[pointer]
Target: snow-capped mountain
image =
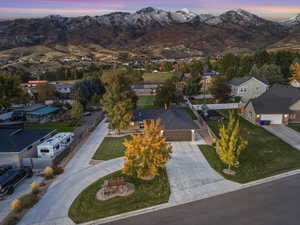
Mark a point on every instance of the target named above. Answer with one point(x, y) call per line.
point(146, 27)
point(294, 21)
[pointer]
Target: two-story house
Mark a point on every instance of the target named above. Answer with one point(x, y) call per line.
point(247, 87)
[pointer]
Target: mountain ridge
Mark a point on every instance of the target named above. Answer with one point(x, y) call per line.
point(148, 28)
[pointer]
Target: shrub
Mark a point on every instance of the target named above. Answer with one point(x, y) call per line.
point(35, 188)
point(16, 205)
point(58, 170)
point(27, 201)
point(49, 172)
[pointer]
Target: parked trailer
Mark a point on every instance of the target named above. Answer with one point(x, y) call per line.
point(55, 145)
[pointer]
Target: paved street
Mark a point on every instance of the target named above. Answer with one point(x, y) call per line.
point(273, 203)
point(285, 133)
point(190, 175)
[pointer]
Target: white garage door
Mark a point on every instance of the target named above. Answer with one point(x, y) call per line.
point(274, 118)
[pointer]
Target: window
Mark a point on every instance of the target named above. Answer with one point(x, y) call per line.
point(243, 90)
point(44, 150)
point(292, 116)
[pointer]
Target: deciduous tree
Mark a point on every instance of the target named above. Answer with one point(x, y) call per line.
point(167, 94)
point(145, 154)
point(10, 89)
point(220, 89)
point(295, 70)
point(45, 92)
point(77, 110)
point(230, 144)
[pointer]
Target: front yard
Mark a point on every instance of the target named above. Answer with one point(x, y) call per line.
point(296, 127)
point(110, 148)
point(147, 193)
point(159, 77)
point(146, 102)
point(265, 155)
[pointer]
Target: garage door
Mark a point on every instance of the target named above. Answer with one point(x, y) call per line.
point(178, 135)
point(274, 118)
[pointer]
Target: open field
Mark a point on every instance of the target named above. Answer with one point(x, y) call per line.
point(159, 77)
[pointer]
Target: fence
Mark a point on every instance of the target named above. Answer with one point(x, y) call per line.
point(218, 106)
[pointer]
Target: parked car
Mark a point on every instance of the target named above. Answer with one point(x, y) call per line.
point(10, 179)
point(212, 115)
point(4, 169)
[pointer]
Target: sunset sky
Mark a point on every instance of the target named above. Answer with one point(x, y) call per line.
point(35, 8)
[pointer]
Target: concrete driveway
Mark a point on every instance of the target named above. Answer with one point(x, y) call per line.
point(54, 206)
point(285, 133)
point(191, 176)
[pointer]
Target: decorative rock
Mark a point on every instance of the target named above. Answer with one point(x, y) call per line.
point(109, 192)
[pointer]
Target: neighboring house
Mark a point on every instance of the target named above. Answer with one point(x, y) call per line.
point(207, 78)
point(40, 113)
point(247, 87)
point(17, 144)
point(177, 124)
point(295, 83)
point(279, 105)
point(63, 88)
point(145, 89)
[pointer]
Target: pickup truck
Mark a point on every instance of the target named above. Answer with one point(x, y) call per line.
point(11, 178)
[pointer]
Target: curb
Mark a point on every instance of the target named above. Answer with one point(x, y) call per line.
point(170, 205)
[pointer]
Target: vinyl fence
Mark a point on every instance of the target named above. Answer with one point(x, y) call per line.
point(218, 106)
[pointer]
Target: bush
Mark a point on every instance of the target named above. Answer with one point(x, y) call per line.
point(11, 219)
point(35, 188)
point(58, 170)
point(27, 201)
point(49, 173)
point(16, 205)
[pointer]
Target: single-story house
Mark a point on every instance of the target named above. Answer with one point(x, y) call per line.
point(177, 124)
point(279, 105)
point(145, 89)
point(63, 88)
point(247, 87)
point(42, 114)
point(17, 143)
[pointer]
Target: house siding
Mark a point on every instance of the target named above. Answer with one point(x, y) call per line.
point(254, 88)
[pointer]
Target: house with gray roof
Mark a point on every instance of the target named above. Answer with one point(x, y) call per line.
point(247, 87)
point(279, 105)
point(177, 124)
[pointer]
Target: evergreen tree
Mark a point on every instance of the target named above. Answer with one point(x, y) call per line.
point(167, 94)
point(220, 89)
point(272, 73)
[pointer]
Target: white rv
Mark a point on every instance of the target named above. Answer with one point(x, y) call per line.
point(54, 145)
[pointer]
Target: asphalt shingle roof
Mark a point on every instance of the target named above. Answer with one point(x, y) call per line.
point(236, 81)
point(277, 100)
point(172, 119)
point(15, 140)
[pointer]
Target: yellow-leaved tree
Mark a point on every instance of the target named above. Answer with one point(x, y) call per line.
point(295, 69)
point(146, 153)
point(230, 144)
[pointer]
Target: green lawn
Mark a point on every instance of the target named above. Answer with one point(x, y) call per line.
point(146, 102)
point(296, 127)
point(160, 77)
point(189, 112)
point(265, 155)
point(59, 126)
point(110, 148)
point(147, 193)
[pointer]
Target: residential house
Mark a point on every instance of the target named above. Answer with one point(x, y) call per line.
point(63, 88)
point(279, 105)
point(17, 144)
point(40, 113)
point(207, 78)
point(177, 124)
point(145, 89)
point(247, 87)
